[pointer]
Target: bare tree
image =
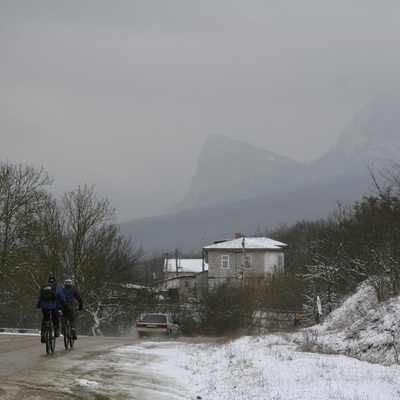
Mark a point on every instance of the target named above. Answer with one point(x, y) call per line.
point(23, 196)
point(98, 259)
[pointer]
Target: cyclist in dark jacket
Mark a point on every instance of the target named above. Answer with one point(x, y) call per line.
point(70, 311)
point(50, 307)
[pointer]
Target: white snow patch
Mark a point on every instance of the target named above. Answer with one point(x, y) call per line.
point(85, 383)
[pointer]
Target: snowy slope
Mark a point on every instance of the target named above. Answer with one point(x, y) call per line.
point(361, 328)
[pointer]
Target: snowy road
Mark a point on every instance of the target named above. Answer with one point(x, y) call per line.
point(18, 353)
point(258, 367)
point(27, 372)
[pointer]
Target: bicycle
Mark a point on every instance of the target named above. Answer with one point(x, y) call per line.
point(49, 337)
point(67, 333)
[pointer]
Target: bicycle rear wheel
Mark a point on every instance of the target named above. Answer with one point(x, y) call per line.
point(71, 340)
point(50, 340)
point(53, 342)
point(67, 334)
point(47, 337)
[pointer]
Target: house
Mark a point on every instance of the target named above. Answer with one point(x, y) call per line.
point(225, 261)
point(176, 266)
point(183, 277)
point(243, 257)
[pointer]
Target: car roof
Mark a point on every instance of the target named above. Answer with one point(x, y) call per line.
point(155, 317)
point(154, 314)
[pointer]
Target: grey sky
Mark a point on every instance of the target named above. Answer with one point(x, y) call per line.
point(123, 94)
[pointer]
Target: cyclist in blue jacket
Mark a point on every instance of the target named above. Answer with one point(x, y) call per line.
point(50, 298)
point(71, 295)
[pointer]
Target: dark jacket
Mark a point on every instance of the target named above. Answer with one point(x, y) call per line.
point(52, 304)
point(70, 295)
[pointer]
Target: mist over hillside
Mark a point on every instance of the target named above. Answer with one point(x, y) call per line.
point(372, 137)
point(238, 187)
point(230, 170)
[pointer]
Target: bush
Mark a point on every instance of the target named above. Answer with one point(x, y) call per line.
point(224, 309)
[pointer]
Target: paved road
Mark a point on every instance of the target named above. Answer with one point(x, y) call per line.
point(27, 372)
point(18, 353)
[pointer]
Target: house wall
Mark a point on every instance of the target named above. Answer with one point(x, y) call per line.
point(187, 287)
point(215, 270)
point(201, 279)
point(262, 262)
point(169, 275)
point(273, 261)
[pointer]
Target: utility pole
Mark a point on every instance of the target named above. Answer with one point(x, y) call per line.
point(243, 266)
point(176, 262)
point(166, 272)
point(202, 254)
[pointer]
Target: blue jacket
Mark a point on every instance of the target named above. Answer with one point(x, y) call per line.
point(70, 294)
point(52, 304)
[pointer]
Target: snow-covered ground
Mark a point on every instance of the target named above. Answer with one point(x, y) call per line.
point(265, 367)
point(275, 367)
point(278, 366)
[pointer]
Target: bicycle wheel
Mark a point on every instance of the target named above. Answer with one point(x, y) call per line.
point(71, 340)
point(67, 334)
point(50, 339)
point(47, 338)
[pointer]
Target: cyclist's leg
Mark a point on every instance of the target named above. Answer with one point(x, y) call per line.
point(55, 316)
point(46, 317)
point(64, 316)
point(72, 318)
point(67, 332)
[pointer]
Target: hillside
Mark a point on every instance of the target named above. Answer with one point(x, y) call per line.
point(230, 170)
point(361, 328)
point(191, 229)
point(372, 137)
point(239, 187)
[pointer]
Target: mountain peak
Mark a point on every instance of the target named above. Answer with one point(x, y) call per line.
point(219, 144)
point(241, 188)
point(372, 138)
point(230, 170)
point(374, 131)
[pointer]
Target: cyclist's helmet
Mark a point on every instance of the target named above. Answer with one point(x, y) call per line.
point(52, 280)
point(68, 282)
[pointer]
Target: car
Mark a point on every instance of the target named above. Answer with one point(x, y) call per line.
point(157, 324)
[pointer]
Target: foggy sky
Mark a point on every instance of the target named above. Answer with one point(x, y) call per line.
point(123, 94)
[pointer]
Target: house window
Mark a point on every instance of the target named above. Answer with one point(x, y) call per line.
point(225, 262)
point(247, 261)
point(186, 284)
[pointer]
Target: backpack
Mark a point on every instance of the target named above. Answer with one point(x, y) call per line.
point(48, 292)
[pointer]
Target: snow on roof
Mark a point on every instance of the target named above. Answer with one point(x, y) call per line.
point(185, 265)
point(249, 243)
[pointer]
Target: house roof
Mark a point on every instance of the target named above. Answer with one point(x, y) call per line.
point(248, 243)
point(193, 265)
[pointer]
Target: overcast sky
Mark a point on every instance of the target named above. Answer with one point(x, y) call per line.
point(123, 94)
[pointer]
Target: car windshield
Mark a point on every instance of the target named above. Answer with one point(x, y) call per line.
point(154, 318)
